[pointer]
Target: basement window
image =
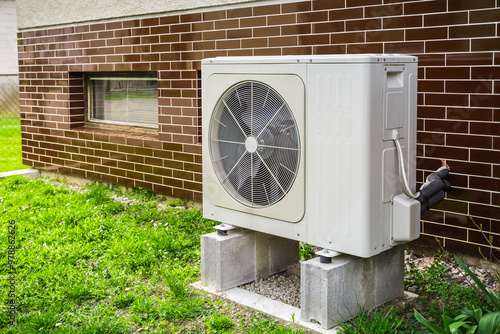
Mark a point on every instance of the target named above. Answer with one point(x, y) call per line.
point(123, 98)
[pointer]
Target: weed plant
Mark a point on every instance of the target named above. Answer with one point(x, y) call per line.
point(439, 294)
point(432, 280)
point(219, 323)
point(305, 252)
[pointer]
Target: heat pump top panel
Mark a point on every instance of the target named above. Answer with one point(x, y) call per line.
point(326, 59)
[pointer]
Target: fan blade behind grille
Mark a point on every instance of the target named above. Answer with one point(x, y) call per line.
point(261, 176)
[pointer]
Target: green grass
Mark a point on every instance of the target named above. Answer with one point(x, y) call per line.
point(10, 145)
point(259, 325)
point(88, 264)
point(378, 322)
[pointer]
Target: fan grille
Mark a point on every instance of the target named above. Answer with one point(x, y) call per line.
point(254, 144)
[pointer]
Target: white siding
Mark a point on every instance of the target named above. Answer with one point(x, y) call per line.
point(8, 37)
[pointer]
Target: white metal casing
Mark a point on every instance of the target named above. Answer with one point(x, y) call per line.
point(349, 171)
point(405, 209)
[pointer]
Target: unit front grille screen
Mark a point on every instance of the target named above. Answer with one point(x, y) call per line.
point(254, 144)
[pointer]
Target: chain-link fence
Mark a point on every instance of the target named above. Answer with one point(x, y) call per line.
point(9, 97)
point(10, 124)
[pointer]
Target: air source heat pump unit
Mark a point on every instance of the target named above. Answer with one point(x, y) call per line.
point(303, 147)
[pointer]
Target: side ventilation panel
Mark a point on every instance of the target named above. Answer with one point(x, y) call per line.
point(394, 100)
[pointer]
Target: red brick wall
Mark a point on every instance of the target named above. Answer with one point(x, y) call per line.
point(456, 41)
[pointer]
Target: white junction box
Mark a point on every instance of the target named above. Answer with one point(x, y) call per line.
point(302, 147)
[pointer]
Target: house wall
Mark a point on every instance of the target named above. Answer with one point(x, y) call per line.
point(8, 40)
point(456, 41)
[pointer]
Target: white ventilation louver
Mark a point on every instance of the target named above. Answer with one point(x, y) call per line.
point(301, 147)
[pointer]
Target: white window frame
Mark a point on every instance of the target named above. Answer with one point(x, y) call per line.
point(98, 76)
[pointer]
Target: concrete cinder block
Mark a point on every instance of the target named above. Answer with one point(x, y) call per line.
point(384, 276)
point(274, 254)
point(227, 261)
point(331, 292)
point(243, 256)
point(334, 292)
point(282, 253)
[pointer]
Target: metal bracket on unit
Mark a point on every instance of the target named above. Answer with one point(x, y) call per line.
point(223, 228)
point(326, 255)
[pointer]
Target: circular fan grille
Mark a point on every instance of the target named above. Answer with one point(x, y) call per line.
point(254, 144)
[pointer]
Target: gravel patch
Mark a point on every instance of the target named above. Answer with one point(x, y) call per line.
point(282, 287)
